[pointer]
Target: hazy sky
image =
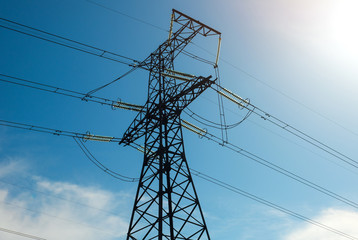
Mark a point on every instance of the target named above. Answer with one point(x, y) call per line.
point(296, 60)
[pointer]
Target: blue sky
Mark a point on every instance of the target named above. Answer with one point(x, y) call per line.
point(297, 60)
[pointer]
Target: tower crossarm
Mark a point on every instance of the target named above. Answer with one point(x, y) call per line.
point(137, 128)
point(170, 48)
point(181, 96)
point(195, 25)
point(186, 92)
point(178, 40)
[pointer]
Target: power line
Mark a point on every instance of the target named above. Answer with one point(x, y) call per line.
point(273, 167)
point(266, 202)
point(289, 97)
point(270, 204)
point(209, 123)
point(237, 68)
point(279, 91)
point(69, 93)
point(279, 169)
point(328, 228)
point(110, 56)
point(277, 119)
point(196, 57)
point(21, 234)
point(191, 114)
point(296, 132)
point(66, 42)
point(224, 134)
point(208, 136)
point(76, 45)
point(113, 81)
point(82, 96)
point(101, 166)
point(56, 90)
point(126, 15)
point(78, 137)
point(83, 47)
point(58, 132)
point(264, 115)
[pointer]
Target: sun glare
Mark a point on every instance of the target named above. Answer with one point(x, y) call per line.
point(340, 32)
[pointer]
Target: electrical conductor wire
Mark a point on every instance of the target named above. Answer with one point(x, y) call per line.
point(101, 166)
point(208, 136)
point(85, 47)
point(231, 188)
point(354, 238)
point(21, 234)
point(298, 133)
point(270, 204)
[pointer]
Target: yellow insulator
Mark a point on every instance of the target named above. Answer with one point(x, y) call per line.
point(235, 95)
point(140, 149)
point(218, 52)
point(127, 106)
point(180, 73)
point(176, 77)
point(231, 99)
point(97, 138)
point(171, 27)
point(201, 132)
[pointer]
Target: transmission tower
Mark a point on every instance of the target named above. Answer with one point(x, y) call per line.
point(166, 203)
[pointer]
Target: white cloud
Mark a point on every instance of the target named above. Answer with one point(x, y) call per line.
point(61, 211)
point(342, 220)
point(12, 166)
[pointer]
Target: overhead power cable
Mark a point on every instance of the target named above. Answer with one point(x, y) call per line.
point(65, 92)
point(112, 56)
point(234, 66)
point(288, 96)
point(57, 132)
point(101, 166)
point(79, 138)
point(270, 204)
point(195, 57)
point(113, 81)
point(208, 136)
point(331, 229)
point(272, 166)
point(66, 42)
point(224, 133)
point(278, 169)
point(289, 128)
point(280, 92)
point(205, 134)
point(101, 53)
point(237, 190)
point(83, 47)
point(21, 234)
point(127, 15)
point(205, 122)
point(209, 123)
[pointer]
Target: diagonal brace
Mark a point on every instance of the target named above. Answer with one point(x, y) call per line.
point(185, 93)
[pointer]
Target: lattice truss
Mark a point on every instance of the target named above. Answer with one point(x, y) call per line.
point(166, 204)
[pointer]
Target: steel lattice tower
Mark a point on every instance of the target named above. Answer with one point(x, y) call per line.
point(166, 204)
